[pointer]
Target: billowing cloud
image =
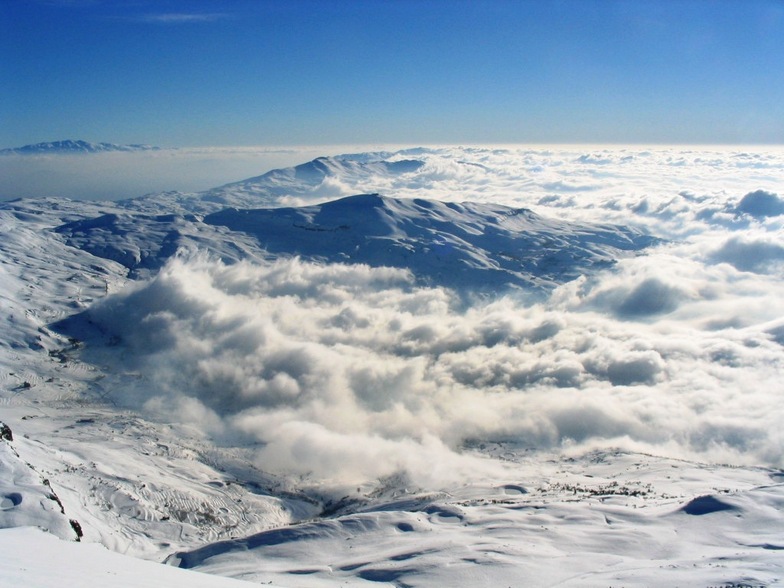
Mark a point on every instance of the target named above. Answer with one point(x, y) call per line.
point(761, 204)
point(650, 297)
point(346, 372)
point(750, 254)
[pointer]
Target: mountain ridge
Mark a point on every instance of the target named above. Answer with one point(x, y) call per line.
point(474, 246)
point(74, 146)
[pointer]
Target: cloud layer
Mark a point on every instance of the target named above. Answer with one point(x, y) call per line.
point(348, 373)
point(601, 182)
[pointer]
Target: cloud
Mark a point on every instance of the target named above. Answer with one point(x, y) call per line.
point(183, 17)
point(345, 373)
point(636, 368)
point(639, 187)
point(759, 255)
point(561, 186)
point(641, 290)
point(649, 297)
point(761, 204)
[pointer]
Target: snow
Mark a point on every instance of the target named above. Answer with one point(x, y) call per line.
point(557, 533)
point(224, 383)
point(468, 245)
point(35, 559)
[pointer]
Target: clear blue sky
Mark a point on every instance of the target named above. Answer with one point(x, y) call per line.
point(204, 72)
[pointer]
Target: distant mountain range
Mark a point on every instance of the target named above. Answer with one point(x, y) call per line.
point(73, 146)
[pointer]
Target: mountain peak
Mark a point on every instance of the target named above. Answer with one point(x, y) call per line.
point(469, 244)
point(316, 178)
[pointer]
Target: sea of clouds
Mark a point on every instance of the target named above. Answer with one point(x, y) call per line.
point(349, 373)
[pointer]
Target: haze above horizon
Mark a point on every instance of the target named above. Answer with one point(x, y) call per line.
point(312, 72)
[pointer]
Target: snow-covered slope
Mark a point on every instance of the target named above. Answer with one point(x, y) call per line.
point(314, 177)
point(632, 521)
point(305, 400)
point(469, 245)
point(319, 180)
point(34, 559)
point(143, 243)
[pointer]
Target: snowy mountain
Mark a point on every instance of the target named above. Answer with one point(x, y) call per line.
point(471, 245)
point(72, 146)
point(319, 180)
point(299, 379)
point(458, 245)
point(305, 178)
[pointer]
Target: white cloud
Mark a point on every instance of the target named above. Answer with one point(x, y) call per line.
point(761, 254)
point(761, 204)
point(183, 17)
point(348, 372)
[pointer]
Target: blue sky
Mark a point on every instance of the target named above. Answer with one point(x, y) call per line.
point(308, 72)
